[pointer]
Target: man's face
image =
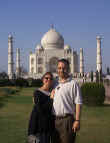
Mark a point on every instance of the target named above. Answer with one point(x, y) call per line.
point(62, 70)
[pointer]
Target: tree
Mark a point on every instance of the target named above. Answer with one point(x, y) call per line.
point(100, 75)
point(4, 79)
point(23, 71)
point(108, 71)
point(97, 76)
point(91, 76)
point(3, 75)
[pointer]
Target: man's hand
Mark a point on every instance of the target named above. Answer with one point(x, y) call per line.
point(76, 126)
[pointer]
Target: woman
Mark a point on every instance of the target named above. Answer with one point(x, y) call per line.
point(40, 123)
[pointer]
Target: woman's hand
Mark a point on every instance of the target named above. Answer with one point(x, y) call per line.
point(33, 100)
point(52, 94)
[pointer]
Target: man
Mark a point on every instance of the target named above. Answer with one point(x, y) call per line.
point(66, 106)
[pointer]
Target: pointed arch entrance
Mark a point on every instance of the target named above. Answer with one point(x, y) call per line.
point(53, 64)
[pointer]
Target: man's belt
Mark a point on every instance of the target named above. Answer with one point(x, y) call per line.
point(63, 116)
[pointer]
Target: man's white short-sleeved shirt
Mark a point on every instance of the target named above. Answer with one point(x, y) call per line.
point(66, 95)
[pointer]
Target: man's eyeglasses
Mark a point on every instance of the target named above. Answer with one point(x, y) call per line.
point(48, 78)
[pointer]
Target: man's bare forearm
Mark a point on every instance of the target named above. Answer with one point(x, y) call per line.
point(78, 111)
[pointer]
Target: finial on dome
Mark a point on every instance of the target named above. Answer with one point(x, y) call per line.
point(52, 26)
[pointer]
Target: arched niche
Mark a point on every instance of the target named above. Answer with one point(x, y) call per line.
point(53, 64)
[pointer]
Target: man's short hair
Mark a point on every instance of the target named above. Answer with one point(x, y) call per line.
point(65, 61)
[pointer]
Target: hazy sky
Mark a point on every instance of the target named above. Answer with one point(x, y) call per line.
point(79, 21)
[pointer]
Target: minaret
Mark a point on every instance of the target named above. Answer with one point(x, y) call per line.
point(10, 57)
point(99, 57)
point(18, 62)
point(81, 62)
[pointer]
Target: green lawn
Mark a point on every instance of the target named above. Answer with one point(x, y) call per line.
point(14, 115)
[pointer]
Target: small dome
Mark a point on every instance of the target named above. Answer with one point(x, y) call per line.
point(98, 37)
point(52, 39)
point(67, 47)
point(38, 47)
point(10, 36)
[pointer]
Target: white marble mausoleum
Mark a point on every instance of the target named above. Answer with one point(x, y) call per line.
point(48, 52)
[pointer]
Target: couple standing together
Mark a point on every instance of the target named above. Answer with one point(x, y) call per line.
point(56, 118)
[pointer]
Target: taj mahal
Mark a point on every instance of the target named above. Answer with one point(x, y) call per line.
point(47, 53)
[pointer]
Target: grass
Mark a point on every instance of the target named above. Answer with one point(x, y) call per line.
point(95, 125)
point(14, 116)
point(15, 111)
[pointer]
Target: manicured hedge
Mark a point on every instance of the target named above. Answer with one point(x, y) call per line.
point(93, 93)
point(34, 82)
point(5, 82)
point(21, 82)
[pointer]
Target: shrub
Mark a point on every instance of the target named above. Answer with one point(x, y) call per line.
point(21, 82)
point(37, 83)
point(8, 91)
point(34, 82)
point(92, 77)
point(107, 81)
point(93, 93)
point(4, 82)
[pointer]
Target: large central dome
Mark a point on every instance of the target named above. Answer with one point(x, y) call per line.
point(52, 39)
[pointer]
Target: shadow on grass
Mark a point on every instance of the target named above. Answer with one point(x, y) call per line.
point(106, 105)
point(5, 94)
point(1, 104)
point(98, 106)
point(4, 100)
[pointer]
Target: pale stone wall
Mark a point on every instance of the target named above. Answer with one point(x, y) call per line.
point(47, 56)
point(49, 52)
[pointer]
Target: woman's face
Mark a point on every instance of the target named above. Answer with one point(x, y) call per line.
point(47, 80)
